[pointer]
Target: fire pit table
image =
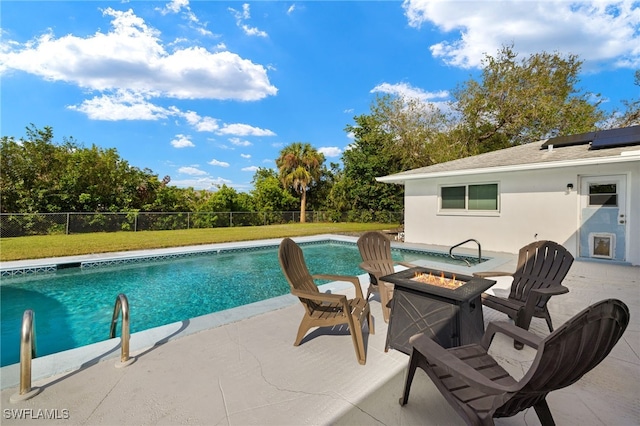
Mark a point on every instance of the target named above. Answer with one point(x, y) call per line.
point(445, 306)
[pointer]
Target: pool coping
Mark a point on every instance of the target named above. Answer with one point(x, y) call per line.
point(82, 357)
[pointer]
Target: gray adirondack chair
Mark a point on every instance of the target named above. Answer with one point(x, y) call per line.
point(479, 389)
point(542, 265)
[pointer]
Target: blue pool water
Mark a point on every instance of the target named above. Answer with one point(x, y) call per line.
point(73, 307)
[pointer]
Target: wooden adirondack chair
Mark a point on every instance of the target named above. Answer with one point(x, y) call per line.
point(479, 389)
point(324, 310)
point(542, 265)
point(375, 250)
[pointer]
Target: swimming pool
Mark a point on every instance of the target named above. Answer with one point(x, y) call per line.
point(73, 306)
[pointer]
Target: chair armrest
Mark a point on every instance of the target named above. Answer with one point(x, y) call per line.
point(550, 291)
point(512, 331)
point(457, 368)
point(534, 294)
point(320, 297)
point(486, 274)
point(346, 278)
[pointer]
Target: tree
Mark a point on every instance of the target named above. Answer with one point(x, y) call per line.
point(523, 101)
point(39, 175)
point(268, 193)
point(299, 166)
point(370, 155)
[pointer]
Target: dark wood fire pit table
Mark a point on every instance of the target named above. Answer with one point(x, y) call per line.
point(450, 311)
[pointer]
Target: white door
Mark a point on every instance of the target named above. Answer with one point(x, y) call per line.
point(603, 217)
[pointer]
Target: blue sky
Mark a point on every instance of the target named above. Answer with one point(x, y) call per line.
point(206, 92)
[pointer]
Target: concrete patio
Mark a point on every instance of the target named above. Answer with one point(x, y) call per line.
point(247, 372)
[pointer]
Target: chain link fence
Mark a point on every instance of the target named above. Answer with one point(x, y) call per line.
point(22, 224)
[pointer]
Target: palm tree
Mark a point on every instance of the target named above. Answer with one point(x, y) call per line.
point(299, 165)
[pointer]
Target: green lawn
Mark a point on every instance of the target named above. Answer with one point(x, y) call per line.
point(68, 245)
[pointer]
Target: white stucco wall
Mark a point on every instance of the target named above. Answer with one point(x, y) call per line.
point(534, 205)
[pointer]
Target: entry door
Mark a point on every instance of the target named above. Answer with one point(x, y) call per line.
point(603, 217)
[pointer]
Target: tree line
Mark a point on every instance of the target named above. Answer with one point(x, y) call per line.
point(514, 101)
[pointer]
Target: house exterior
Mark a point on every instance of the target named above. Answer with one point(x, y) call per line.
point(582, 191)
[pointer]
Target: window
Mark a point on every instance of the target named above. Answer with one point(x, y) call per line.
point(481, 197)
point(603, 195)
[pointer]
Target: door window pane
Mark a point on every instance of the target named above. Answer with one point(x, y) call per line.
point(453, 197)
point(483, 197)
point(603, 195)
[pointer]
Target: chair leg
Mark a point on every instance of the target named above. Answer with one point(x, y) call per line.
point(358, 342)
point(369, 291)
point(544, 414)
point(523, 320)
point(411, 372)
point(305, 325)
point(370, 323)
point(547, 317)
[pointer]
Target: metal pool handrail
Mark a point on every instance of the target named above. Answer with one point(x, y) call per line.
point(27, 353)
point(122, 305)
point(464, 242)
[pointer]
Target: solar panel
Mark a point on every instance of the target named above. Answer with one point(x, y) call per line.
point(616, 137)
point(569, 140)
point(601, 139)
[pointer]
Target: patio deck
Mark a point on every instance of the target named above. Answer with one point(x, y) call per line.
point(248, 372)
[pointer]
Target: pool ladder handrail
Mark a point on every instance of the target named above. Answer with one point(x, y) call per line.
point(122, 306)
point(464, 242)
point(27, 353)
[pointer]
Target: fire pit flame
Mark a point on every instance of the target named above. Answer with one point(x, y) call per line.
point(440, 281)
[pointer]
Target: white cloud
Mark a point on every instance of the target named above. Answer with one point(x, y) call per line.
point(244, 15)
point(193, 171)
point(200, 183)
point(182, 141)
point(131, 57)
point(250, 169)
point(215, 162)
point(174, 6)
point(239, 142)
point(408, 91)
point(240, 129)
point(247, 156)
point(121, 105)
point(330, 151)
point(202, 124)
point(597, 31)
point(291, 9)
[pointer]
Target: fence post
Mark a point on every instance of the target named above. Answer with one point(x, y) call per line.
point(135, 223)
point(188, 220)
point(230, 219)
point(67, 230)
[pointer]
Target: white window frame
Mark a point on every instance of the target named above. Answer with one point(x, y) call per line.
point(466, 211)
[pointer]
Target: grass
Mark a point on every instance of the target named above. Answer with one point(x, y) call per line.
point(41, 246)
